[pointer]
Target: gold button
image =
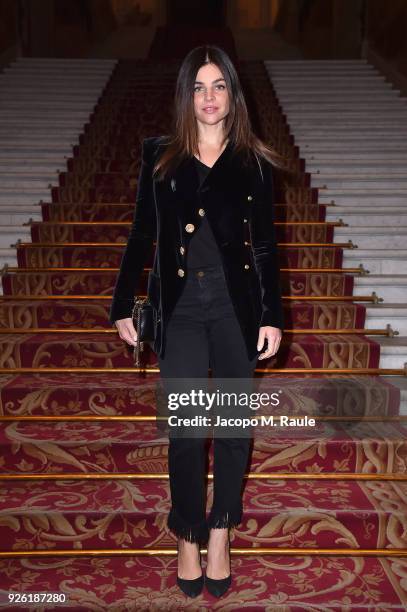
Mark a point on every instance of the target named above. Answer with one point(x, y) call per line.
point(190, 227)
point(250, 198)
point(200, 273)
point(181, 272)
point(201, 212)
point(181, 250)
point(245, 220)
point(246, 266)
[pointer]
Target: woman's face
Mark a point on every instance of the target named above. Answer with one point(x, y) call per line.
point(211, 98)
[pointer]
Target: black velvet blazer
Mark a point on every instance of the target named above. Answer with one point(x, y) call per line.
point(238, 202)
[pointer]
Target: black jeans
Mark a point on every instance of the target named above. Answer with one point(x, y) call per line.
point(203, 332)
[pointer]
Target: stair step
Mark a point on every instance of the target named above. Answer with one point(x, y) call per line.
point(370, 237)
point(13, 217)
point(37, 79)
point(333, 88)
point(10, 195)
point(306, 64)
point(345, 114)
point(35, 167)
point(35, 152)
point(328, 123)
point(345, 505)
point(28, 93)
point(393, 351)
point(337, 94)
point(22, 182)
point(378, 261)
point(391, 287)
point(10, 233)
point(354, 182)
point(44, 123)
point(53, 112)
point(339, 168)
point(141, 447)
point(401, 383)
point(62, 62)
point(356, 156)
point(325, 106)
point(374, 216)
point(379, 315)
point(9, 256)
point(350, 135)
point(140, 397)
point(280, 80)
point(395, 148)
point(308, 69)
point(161, 572)
point(359, 197)
point(69, 348)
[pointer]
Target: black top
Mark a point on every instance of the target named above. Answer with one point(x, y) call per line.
point(203, 250)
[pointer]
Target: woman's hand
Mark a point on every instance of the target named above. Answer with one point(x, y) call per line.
point(127, 331)
point(273, 335)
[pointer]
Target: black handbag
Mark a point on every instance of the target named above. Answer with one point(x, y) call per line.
point(144, 318)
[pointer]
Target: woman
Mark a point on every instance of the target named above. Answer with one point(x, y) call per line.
point(200, 192)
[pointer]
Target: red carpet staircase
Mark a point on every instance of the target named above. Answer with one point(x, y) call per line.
point(84, 489)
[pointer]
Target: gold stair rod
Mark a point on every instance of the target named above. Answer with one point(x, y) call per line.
point(165, 476)
point(81, 330)
point(139, 418)
point(131, 204)
point(299, 298)
point(153, 370)
point(335, 245)
point(7, 269)
point(129, 223)
point(255, 550)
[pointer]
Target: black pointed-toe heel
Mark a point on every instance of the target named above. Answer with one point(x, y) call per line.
point(193, 587)
point(217, 588)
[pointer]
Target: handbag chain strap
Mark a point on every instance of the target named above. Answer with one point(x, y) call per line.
point(139, 345)
point(137, 307)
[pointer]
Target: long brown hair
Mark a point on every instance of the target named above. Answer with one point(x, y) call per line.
point(183, 140)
